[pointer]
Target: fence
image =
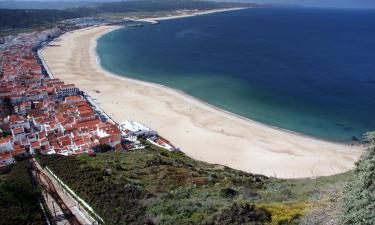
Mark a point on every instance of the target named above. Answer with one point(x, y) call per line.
point(76, 197)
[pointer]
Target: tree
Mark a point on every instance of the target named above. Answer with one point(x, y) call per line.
point(19, 200)
point(357, 206)
point(103, 148)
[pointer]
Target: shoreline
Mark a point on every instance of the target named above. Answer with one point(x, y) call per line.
point(284, 157)
point(180, 92)
point(118, 76)
point(204, 12)
point(198, 13)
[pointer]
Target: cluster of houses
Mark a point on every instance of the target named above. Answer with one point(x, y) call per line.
point(45, 115)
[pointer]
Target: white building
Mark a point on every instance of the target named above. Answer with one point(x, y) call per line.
point(67, 90)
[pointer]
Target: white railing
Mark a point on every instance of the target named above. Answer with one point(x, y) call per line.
point(74, 195)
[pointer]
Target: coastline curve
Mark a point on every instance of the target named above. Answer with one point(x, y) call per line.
point(203, 132)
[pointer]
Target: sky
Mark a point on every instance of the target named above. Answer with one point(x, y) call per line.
point(309, 3)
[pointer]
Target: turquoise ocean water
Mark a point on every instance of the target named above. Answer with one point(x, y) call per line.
point(307, 70)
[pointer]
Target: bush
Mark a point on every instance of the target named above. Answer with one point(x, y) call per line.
point(19, 200)
point(357, 206)
point(115, 202)
point(244, 213)
point(228, 192)
point(285, 213)
point(103, 148)
point(155, 186)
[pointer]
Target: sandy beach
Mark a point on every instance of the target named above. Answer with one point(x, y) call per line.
point(201, 131)
point(189, 14)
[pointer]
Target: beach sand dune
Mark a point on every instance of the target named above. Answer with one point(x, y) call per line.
point(201, 131)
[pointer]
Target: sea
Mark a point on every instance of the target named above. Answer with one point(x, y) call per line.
point(307, 70)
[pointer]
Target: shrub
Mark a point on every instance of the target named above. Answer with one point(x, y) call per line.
point(285, 213)
point(244, 213)
point(19, 200)
point(357, 205)
point(115, 202)
point(103, 148)
point(228, 192)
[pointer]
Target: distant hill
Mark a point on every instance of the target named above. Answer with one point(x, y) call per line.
point(131, 5)
point(162, 5)
point(43, 4)
point(14, 20)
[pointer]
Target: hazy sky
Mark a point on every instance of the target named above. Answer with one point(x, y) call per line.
point(314, 3)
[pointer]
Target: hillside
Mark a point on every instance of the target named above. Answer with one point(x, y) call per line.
point(24, 20)
point(357, 203)
point(20, 20)
point(11, 4)
point(19, 200)
point(154, 186)
point(163, 5)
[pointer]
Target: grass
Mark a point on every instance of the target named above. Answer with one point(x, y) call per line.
point(299, 189)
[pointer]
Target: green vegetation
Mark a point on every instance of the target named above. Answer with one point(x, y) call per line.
point(40, 4)
point(357, 205)
point(152, 185)
point(279, 190)
point(303, 201)
point(20, 20)
point(159, 187)
point(4, 133)
point(286, 213)
point(103, 148)
point(25, 20)
point(19, 200)
point(164, 5)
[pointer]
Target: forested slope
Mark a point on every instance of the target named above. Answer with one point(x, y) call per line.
point(19, 200)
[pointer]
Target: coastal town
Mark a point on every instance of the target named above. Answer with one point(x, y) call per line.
point(41, 114)
point(273, 127)
point(56, 117)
